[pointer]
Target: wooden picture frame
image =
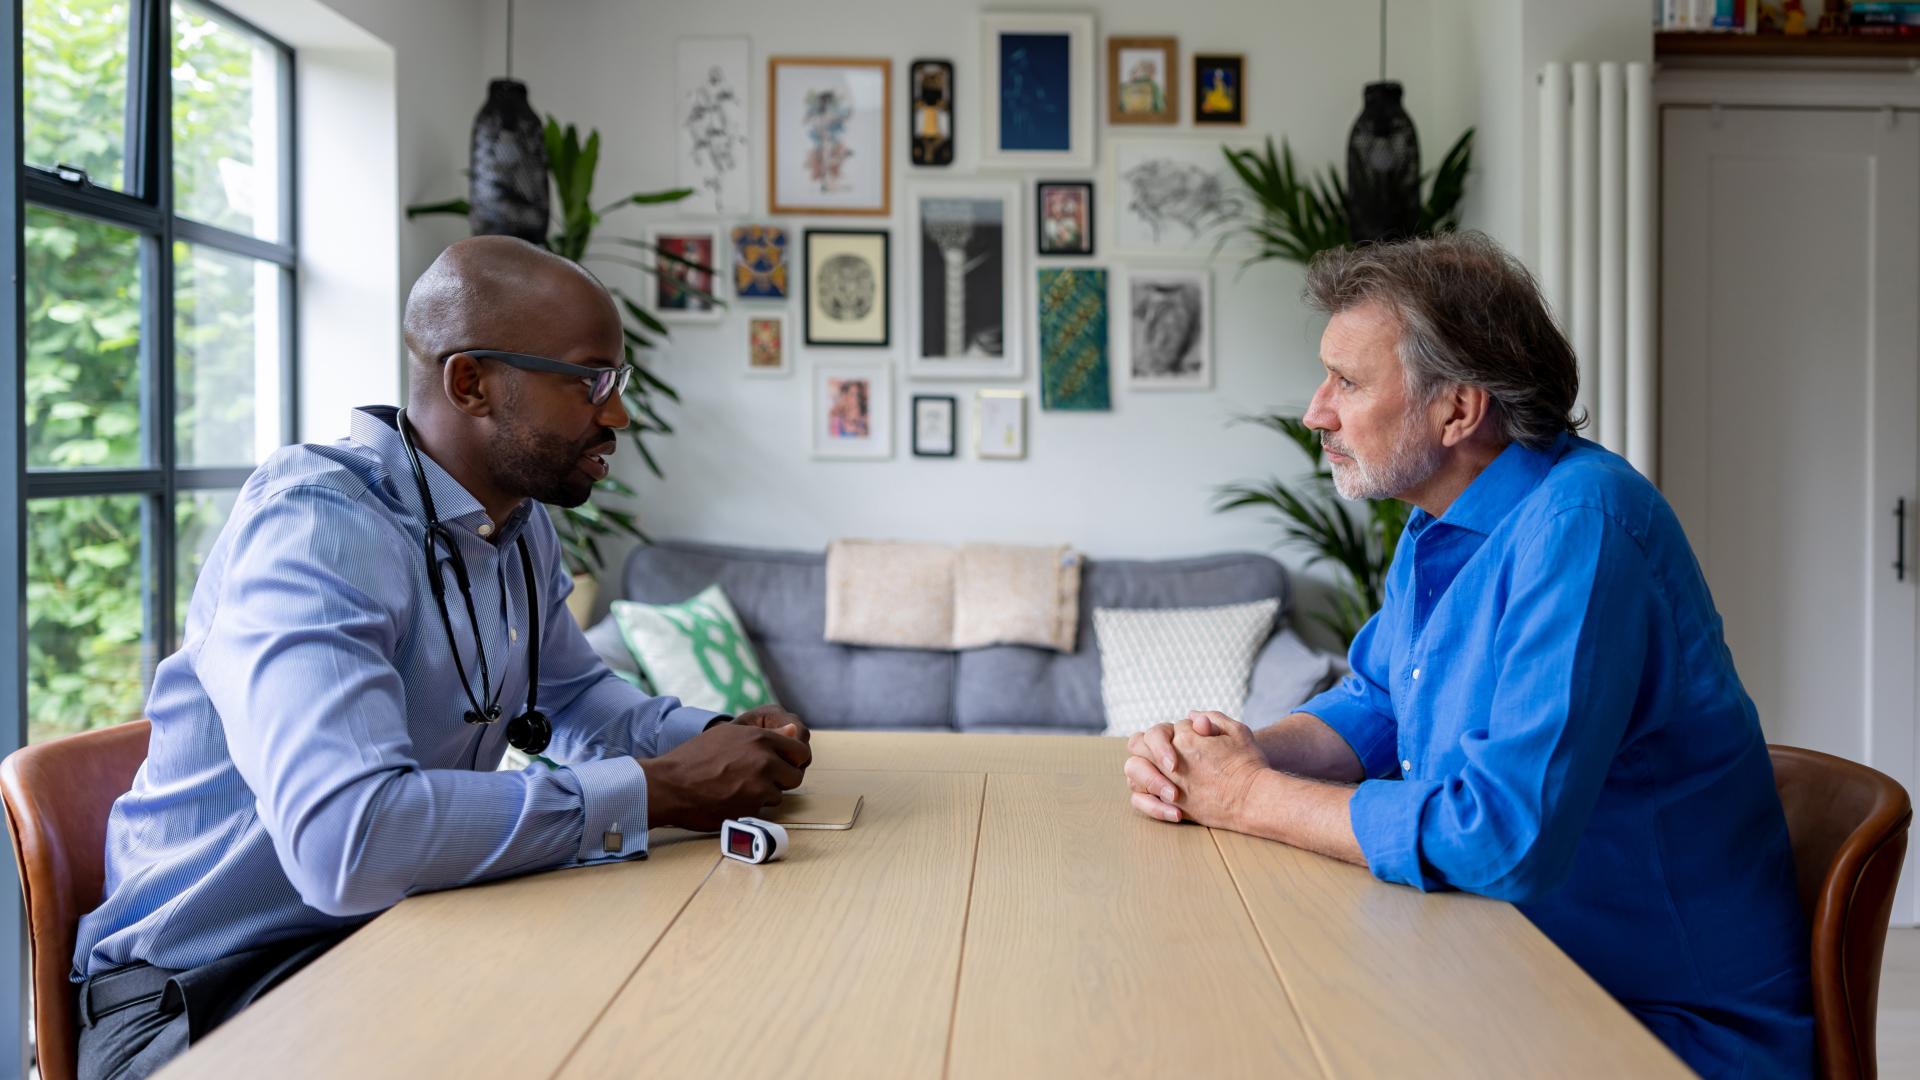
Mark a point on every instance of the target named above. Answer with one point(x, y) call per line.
point(838, 165)
point(1133, 95)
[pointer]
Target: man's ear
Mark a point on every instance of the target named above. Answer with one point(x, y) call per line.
point(1467, 411)
point(468, 384)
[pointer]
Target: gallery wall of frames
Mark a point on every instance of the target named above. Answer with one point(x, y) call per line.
point(968, 274)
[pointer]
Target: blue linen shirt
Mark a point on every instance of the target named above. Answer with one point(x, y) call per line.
point(1547, 713)
point(309, 763)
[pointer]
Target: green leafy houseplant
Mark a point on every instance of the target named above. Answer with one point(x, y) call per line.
point(1294, 219)
point(571, 164)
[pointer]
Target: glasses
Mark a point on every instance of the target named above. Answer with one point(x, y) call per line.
point(602, 382)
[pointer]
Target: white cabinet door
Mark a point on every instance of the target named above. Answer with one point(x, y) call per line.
point(1790, 397)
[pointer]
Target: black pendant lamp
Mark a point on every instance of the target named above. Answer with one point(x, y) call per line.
point(508, 191)
point(1383, 162)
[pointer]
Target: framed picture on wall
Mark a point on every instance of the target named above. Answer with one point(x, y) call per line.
point(830, 134)
point(1219, 88)
point(710, 124)
point(1175, 197)
point(852, 410)
point(1071, 324)
point(1000, 424)
point(930, 104)
point(760, 262)
point(767, 344)
point(1036, 82)
point(686, 262)
point(963, 296)
point(1143, 80)
point(1168, 343)
point(1063, 217)
point(848, 285)
point(934, 429)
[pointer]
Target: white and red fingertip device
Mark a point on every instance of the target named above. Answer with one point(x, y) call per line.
point(752, 840)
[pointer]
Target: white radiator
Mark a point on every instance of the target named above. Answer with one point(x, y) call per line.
point(1597, 243)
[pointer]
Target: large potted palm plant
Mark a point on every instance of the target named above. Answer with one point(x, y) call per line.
point(570, 167)
point(1295, 218)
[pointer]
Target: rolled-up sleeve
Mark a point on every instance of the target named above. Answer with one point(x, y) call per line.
point(1570, 651)
point(1359, 708)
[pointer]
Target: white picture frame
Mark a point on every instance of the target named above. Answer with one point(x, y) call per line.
point(841, 167)
point(753, 352)
point(945, 234)
point(833, 414)
point(1039, 143)
point(712, 125)
point(1000, 424)
point(1175, 197)
point(1167, 340)
point(660, 297)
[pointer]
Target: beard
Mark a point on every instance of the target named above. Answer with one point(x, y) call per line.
point(1408, 463)
point(542, 465)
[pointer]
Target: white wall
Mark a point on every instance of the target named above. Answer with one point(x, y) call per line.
point(1136, 481)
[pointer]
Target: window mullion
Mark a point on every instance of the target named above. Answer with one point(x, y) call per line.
point(159, 87)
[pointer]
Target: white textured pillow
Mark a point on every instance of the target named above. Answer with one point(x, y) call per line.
point(1158, 664)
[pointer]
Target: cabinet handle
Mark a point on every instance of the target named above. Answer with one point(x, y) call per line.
point(1900, 540)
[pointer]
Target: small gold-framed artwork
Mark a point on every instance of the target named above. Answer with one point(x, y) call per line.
point(829, 135)
point(1143, 82)
point(1000, 424)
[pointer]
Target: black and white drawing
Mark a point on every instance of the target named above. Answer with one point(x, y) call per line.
point(847, 287)
point(962, 251)
point(1174, 198)
point(1169, 340)
point(710, 122)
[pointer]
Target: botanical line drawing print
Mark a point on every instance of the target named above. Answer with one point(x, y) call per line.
point(715, 125)
point(1169, 195)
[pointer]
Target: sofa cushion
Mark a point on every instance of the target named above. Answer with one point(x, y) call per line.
point(697, 651)
point(1158, 664)
point(781, 599)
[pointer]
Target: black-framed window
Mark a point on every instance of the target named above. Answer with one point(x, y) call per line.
point(159, 258)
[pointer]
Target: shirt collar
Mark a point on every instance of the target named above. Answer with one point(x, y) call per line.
point(1500, 486)
point(376, 428)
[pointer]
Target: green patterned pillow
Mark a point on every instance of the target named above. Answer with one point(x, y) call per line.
point(695, 651)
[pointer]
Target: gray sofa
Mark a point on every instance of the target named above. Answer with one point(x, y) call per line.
point(781, 600)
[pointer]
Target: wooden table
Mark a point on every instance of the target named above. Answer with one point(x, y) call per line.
point(998, 911)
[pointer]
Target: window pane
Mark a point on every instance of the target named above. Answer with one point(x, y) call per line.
point(83, 343)
point(88, 655)
point(227, 352)
point(74, 85)
point(226, 124)
point(199, 516)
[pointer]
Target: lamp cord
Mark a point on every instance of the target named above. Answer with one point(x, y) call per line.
point(510, 39)
point(1383, 37)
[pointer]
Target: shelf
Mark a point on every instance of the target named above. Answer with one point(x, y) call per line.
point(1668, 43)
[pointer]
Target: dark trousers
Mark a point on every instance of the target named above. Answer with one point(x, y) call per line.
point(137, 1018)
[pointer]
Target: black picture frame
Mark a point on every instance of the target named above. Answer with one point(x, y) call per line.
point(813, 335)
point(1237, 63)
point(930, 152)
point(953, 425)
point(1040, 220)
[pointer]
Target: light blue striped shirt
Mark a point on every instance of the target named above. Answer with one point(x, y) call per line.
point(310, 766)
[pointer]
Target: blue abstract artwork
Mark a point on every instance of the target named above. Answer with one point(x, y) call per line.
point(1035, 92)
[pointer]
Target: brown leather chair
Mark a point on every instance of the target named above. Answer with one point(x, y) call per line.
point(1849, 825)
point(58, 794)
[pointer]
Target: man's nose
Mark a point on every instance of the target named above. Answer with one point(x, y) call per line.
point(613, 414)
point(1320, 416)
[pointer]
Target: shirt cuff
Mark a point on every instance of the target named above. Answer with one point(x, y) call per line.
point(682, 724)
point(1372, 736)
point(1386, 821)
point(613, 791)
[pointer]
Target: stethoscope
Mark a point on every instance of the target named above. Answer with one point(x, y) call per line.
point(529, 732)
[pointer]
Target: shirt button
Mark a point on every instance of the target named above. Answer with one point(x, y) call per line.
point(513, 634)
point(486, 529)
point(1406, 767)
point(1416, 674)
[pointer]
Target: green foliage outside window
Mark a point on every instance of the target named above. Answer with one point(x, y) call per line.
point(89, 572)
